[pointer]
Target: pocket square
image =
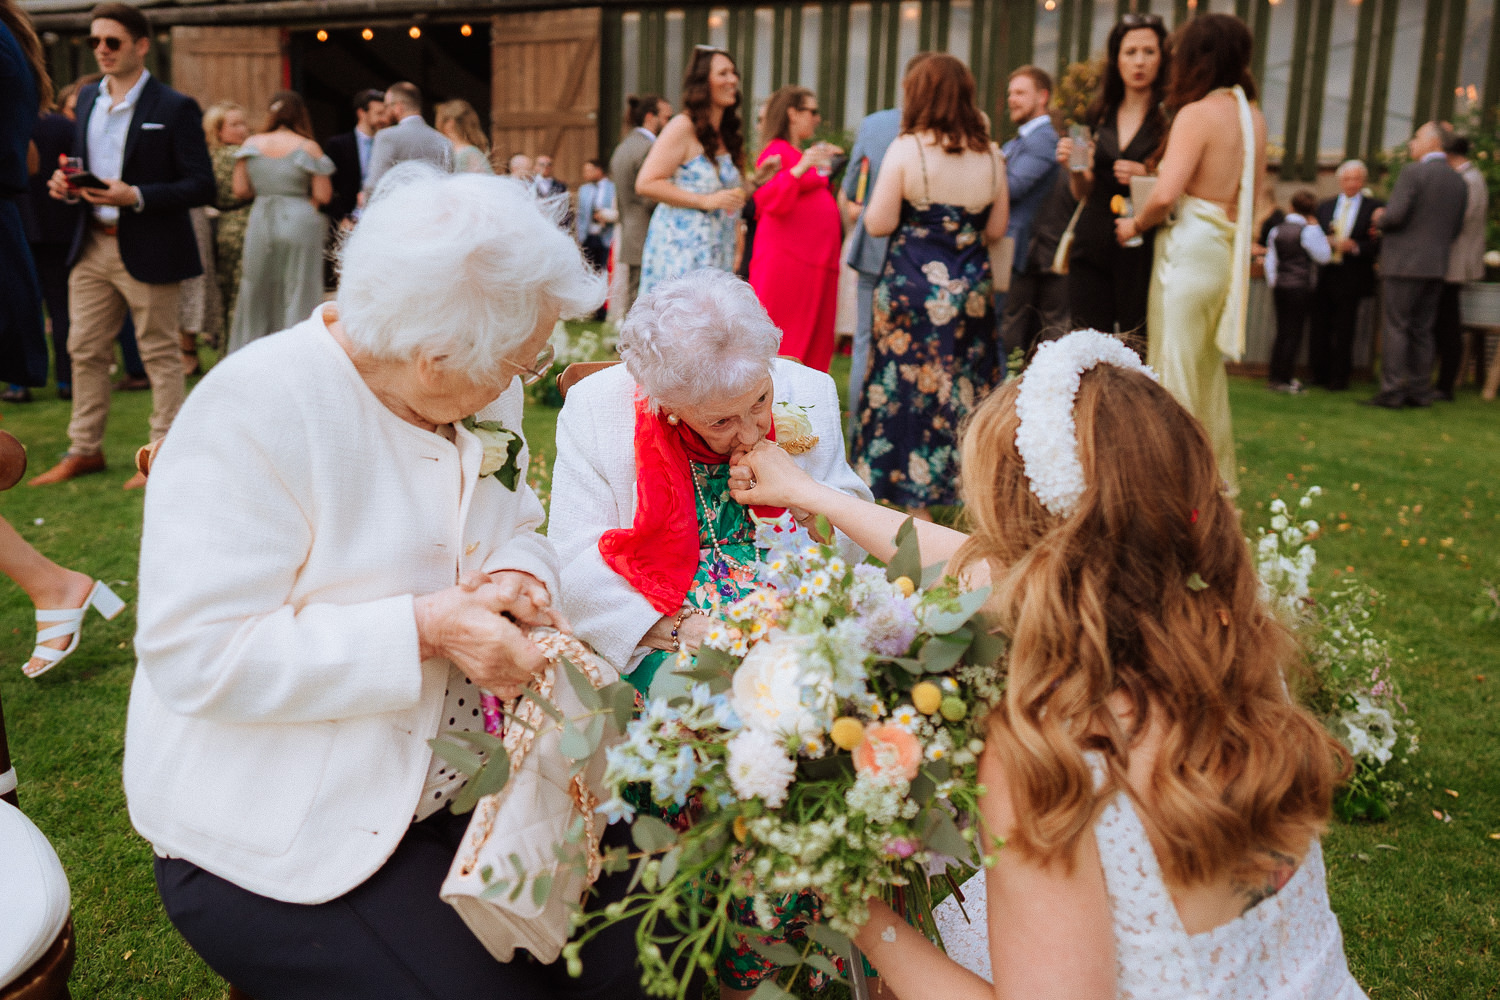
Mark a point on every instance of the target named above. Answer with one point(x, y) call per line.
point(151, 125)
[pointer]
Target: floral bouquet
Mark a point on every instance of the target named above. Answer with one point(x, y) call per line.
point(824, 740)
point(1351, 686)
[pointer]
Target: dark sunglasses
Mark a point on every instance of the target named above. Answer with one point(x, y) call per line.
point(709, 50)
point(110, 43)
point(1142, 20)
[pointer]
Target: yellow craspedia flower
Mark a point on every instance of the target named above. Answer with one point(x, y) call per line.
point(1117, 204)
point(741, 829)
point(927, 696)
point(954, 709)
point(847, 733)
point(904, 584)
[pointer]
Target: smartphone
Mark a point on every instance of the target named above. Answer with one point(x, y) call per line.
point(84, 179)
point(836, 167)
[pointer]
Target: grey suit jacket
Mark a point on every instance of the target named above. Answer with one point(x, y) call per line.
point(409, 139)
point(876, 133)
point(635, 211)
point(1466, 256)
point(1422, 219)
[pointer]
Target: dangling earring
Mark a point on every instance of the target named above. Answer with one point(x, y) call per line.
point(672, 419)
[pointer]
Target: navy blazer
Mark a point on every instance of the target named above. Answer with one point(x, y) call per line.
point(172, 168)
point(1358, 268)
point(348, 179)
point(1030, 171)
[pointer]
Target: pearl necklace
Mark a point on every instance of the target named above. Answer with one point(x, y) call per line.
point(708, 515)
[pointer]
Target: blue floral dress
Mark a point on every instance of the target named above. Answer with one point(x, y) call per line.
point(680, 240)
point(932, 357)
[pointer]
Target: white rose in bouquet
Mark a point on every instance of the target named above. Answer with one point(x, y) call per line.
point(774, 691)
point(496, 449)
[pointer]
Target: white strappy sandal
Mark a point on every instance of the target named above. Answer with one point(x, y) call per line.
point(65, 622)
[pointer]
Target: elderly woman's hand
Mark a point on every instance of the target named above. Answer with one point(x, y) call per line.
point(466, 625)
point(526, 599)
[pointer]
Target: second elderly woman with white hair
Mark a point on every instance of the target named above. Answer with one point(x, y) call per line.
point(333, 565)
point(649, 539)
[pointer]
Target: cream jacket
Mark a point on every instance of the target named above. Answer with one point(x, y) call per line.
point(279, 716)
point(593, 490)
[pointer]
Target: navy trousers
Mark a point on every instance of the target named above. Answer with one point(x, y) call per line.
point(390, 938)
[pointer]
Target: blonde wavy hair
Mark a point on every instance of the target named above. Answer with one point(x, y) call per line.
point(465, 121)
point(213, 122)
point(1099, 602)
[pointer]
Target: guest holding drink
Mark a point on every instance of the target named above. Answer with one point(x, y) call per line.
point(693, 172)
point(1108, 283)
point(795, 265)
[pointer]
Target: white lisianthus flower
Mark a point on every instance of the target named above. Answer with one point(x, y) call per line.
point(773, 691)
point(759, 767)
point(496, 444)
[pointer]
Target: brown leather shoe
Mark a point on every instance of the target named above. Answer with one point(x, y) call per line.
point(136, 482)
point(132, 383)
point(71, 467)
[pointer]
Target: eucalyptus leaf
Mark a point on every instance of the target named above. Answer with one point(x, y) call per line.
point(651, 834)
point(969, 602)
point(478, 739)
point(541, 888)
point(777, 951)
point(593, 732)
point(490, 779)
point(769, 989)
point(620, 697)
point(941, 653)
point(669, 685)
point(573, 744)
point(1196, 583)
point(922, 789)
point(616, 859)
point(824, 966)
point(830, 939)
point(823, 527)
point(582, 687)
point(909, 664)
point(987, 647)
point(460, 758)
point(669, 862)
point(938, 770)
point(907, 561)
point(942, 836)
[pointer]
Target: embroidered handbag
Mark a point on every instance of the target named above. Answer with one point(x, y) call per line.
point(526, 823)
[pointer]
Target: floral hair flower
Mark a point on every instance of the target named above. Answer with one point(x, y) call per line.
point(1047, 437)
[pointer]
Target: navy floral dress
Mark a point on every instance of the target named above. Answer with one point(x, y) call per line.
point(932, 357)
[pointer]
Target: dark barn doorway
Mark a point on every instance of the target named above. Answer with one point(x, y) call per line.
point(447, 60)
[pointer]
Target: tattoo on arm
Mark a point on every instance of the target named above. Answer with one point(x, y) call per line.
point(1283, 867)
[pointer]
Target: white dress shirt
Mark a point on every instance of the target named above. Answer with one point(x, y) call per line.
point(279, 718)
point(1314, 241)
point(109, 125)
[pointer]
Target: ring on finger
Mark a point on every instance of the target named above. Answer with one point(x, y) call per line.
point(751, 485)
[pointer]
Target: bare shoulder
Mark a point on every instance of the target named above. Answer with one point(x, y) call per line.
point(312, 149)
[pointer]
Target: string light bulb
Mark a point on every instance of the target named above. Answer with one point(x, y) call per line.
point(1050, 5)
point(414, 31)
point(322, 35)
point(367, 34)
point(466, 30)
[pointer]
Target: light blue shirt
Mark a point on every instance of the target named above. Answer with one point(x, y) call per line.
point(363, 144)
point(591, 198)
point(109, 127)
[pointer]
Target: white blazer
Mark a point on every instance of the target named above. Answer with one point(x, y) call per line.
point(593, 490)
point(278, 724)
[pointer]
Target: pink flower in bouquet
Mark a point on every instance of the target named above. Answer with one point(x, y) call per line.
point(900, 848)
point(888, 754)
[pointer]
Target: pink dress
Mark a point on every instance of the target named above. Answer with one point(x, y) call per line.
point(795, 266)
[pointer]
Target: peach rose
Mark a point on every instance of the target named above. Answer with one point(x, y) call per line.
point(888, 754)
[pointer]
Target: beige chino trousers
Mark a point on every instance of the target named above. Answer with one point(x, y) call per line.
point(100, 292)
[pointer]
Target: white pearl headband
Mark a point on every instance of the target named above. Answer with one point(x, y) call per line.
point(1047, 437)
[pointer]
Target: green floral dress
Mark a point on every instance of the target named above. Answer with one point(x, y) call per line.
point(234, 216)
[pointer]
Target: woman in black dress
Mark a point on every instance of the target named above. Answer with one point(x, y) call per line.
point(1108, 283)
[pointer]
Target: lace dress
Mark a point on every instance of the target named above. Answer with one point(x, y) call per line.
point(1288, 946)
point(680, 240)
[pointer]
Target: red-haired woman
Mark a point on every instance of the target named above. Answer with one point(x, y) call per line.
point(1158, 794)
point(941, 197)
point(1211, 171)
point(285, 171)
point(795, 266)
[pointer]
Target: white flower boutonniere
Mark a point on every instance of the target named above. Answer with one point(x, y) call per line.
point(794, 428)
point(502, 451)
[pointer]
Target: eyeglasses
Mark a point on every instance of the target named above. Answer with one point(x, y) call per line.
point(540, 367)
point(812, 111)
point(110, 42)
point(1142, 20)
point(711, 49)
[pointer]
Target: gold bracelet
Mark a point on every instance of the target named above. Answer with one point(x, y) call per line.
point(682, 616)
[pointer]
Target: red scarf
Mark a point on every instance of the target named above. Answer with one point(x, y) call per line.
point(658, 553)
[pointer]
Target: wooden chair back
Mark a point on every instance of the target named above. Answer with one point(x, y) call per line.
point(578, 370)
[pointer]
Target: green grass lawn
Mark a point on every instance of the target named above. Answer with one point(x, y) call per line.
point(1409, 507)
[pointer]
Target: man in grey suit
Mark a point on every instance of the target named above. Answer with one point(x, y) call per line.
point(648, 116)
point(1419, 223)
point(866, 252)
point(1465, 264)
point(409, 138)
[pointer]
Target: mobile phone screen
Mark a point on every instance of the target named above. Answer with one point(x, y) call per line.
point(85, 179)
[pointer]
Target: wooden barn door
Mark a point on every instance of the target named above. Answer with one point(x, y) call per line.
point(546, 87)
point(241, 64)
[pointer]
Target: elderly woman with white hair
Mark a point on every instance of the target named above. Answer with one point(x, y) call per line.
point(333, 565)
point(649, 539)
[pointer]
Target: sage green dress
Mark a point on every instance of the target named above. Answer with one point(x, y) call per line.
point(229, 231)
point(283, 263)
